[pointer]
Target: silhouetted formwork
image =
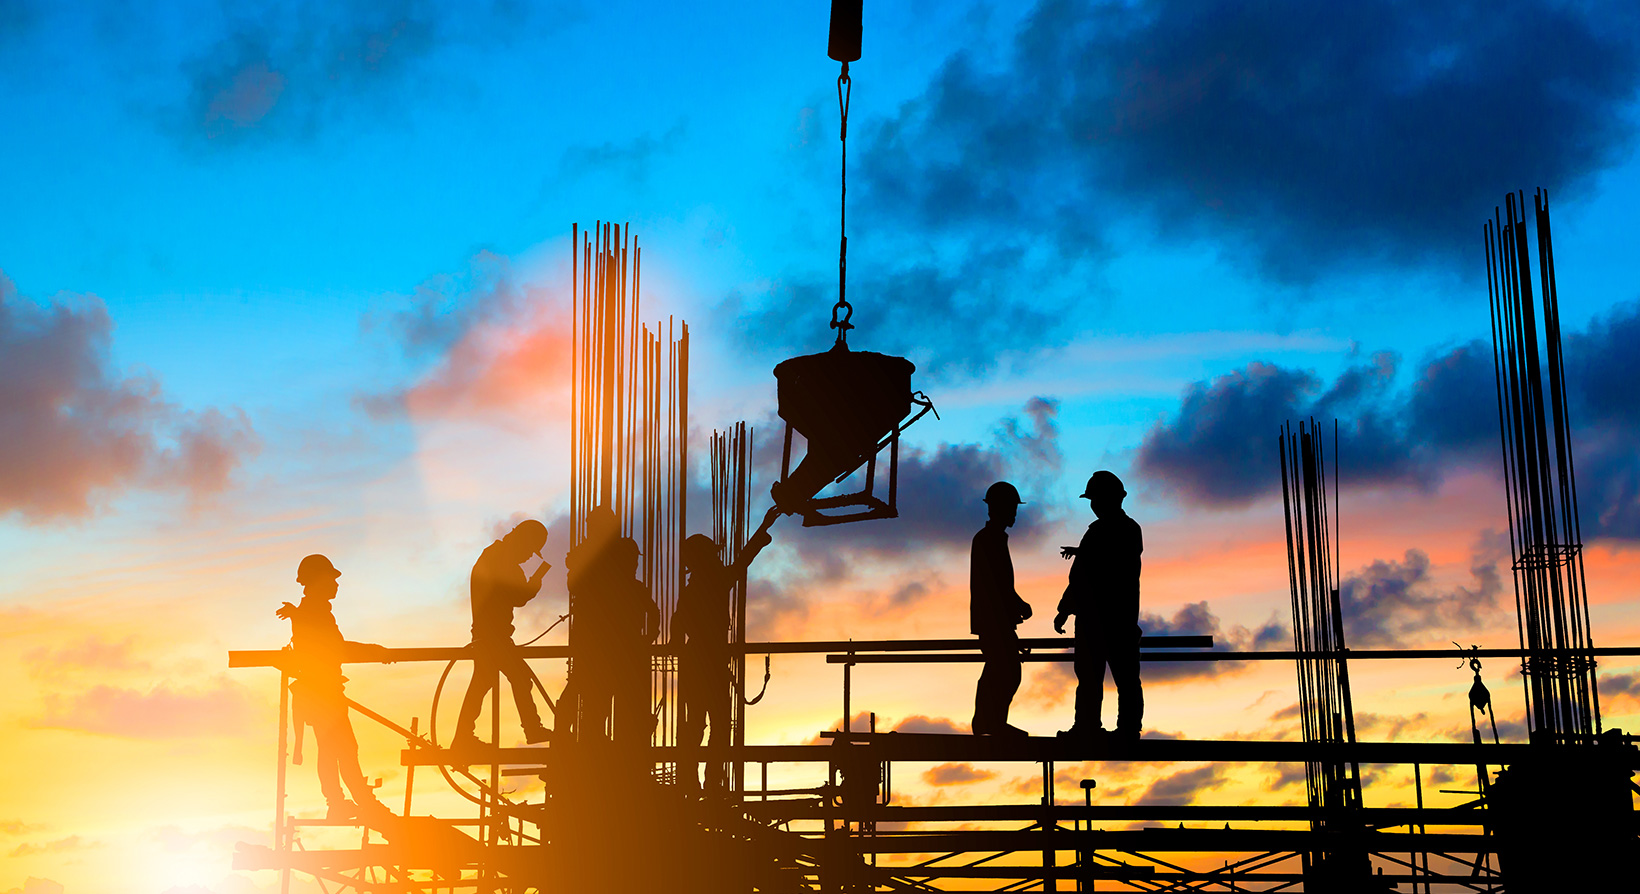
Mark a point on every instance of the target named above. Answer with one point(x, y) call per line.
point(615, 815)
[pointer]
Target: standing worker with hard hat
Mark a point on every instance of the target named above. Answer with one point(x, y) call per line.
point(995, 609)
point(318, 652)
point(700, 627)
point(499, 586)
point(1103, 593)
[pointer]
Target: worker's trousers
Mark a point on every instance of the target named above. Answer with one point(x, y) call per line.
point(491, 659)
point(326, 712)
point(706, 690)
point(1098, 644)
point(997, 682)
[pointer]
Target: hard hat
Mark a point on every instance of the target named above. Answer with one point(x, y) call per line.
point(316, 568)
point(531, 531)
point(699, 545)
point(1002, 492)
point(601, 522)
point(1104, 483)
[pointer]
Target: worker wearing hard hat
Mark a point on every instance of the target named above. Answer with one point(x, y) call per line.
point(498, 587)
point(318, 651)
point(995, 609)
point(1103, 593)
point(700, 627)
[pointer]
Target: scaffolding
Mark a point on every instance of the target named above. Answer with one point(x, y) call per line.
point(612, 816)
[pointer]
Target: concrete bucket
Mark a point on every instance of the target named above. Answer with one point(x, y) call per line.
point(847, 405)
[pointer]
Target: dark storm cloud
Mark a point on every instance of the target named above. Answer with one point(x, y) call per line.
point(79, 432)
point(287, 69)
point(1218, 450)
point(1395, 603)
point(1310, 135)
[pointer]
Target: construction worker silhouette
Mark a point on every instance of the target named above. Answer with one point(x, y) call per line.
point(498, 586)
point(700, 627)
point(616, 628)
point(320, 702)
point(587, 576)
point(995, 609)
point(1103, 594)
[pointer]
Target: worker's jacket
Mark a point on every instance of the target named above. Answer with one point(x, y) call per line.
point(498, 587)
point(1104, 580)
point(701, 621)
point(317, 643)
point(994, 607)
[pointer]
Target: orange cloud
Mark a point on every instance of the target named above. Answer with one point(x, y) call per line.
point(160, 713)
point(956, 774)
point(502, 367)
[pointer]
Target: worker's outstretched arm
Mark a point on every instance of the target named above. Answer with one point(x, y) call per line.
point(756, 542)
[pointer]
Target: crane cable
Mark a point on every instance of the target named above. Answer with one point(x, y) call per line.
point(845, 89)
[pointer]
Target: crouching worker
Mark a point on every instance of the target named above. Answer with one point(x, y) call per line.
point(499, 586)
point(700, 625)
point(995, 609)
point(320, 702)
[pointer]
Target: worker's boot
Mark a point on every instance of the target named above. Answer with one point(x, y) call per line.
point(537, 734)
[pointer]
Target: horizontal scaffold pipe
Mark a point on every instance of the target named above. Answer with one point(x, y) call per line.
point(1381, 817)
point(1164, 839)
point(1351, 654)
point(274, 657)
point(860, 747)
point(869, 651)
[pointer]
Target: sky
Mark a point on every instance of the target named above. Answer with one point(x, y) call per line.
point(290, 277)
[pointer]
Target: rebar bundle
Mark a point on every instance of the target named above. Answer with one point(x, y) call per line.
point(1325, 710)
point(629, 419)
point(1551, 600)
point(731, 481)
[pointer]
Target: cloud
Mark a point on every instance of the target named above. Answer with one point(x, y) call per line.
point(1183, 787)
point(497, 345)
point(922, 723)
point(948, 315)
point(630, 159)
point(941, 491)
point(79, 432)
point(1301, 137)
point(1616, 686)
point(1219, 451)
point(1285, 775)
point(1387, 727)
point(59, 846)
point(1056, 681)
point(90, 653)
point(162, 712)
point(287, 69)
point(15, 827)
point(1393, 603)
point(956, 774)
